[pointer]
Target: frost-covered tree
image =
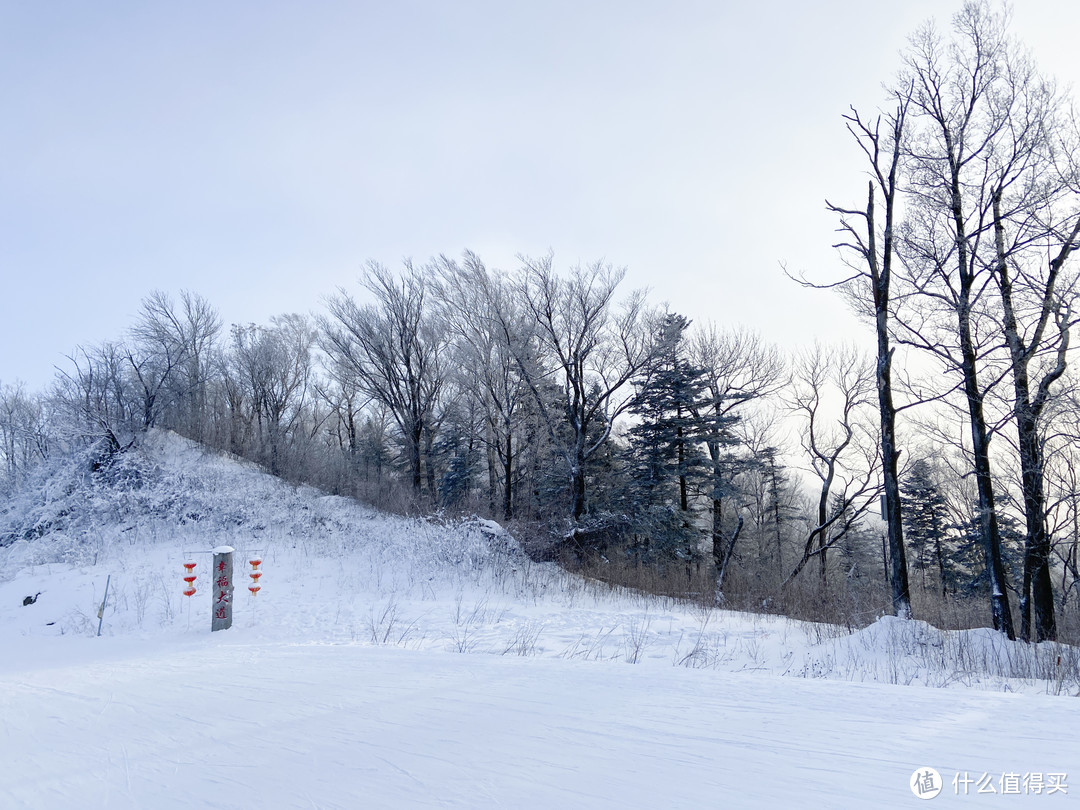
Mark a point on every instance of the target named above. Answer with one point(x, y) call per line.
point(971, 123)
point(93, 399)
point(273, 366)
point(591, 347)
point(488, 335)
point(393, 350)
point(665, 450)
point(25, 433)
point(926, 521)
point(174, 341)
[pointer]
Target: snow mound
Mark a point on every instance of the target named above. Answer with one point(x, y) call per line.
point(893, 650)
point(169, 489)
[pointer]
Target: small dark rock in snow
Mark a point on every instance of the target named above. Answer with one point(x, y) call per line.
point(31, 599)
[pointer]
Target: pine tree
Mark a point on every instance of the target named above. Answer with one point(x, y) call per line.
point(665, 459)
point(925, 521)
point(966, 565)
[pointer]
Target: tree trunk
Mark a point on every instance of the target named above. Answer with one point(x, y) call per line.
point(823, 517)
point(1037, 586)
point(492, 471)
point(881, 279)
point(577, 487)
point(508, 471)
point(980, 448)
point(980, 437)
point(429, 465)
point(717, 533)
point(415, 437)
point(722, 554)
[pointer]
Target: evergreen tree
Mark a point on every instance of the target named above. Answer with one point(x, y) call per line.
point(778, 506)
point(859, 547)
point(966, 566)
point(925, 521)
point(666, 463)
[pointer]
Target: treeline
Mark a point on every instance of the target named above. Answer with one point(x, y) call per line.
point(624, 437)
point(603, 425)
point(606, 428)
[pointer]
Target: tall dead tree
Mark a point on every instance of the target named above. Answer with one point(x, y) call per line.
point(872, 239)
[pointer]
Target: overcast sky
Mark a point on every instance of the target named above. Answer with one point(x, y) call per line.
point(260, 152)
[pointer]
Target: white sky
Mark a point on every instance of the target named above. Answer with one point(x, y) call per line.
point(259, 152)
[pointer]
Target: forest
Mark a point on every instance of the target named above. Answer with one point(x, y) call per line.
point(931, 471)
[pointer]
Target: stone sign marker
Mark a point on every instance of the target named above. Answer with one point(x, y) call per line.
point(221, 619)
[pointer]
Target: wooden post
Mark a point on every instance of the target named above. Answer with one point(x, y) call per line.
point(221, 618)
point(101, 610)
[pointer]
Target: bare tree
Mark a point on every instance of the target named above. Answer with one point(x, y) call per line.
point(155, 352)
point(233, 393)
point(840, 452)
point(93, 399)
point(870, 237)
point(487, 331)
point(1059, 445)
point(1035, 218)
point(766, 483)
point(24, 432)
point(346, 404)
point(171, 347)
point(592, 348)
point(740, 369)
point(275, 364)
point(393, 350)
point(960, 119)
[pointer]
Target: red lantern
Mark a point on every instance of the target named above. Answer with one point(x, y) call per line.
point(190, 579)
point(256, 562)
point(255, 576)
point(254, 589)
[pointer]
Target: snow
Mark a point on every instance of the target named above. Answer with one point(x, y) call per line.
point(389, 662)
point(227, 723)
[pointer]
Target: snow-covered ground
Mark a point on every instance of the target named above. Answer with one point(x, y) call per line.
point(401, 663)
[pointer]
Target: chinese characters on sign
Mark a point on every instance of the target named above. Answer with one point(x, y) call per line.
point(223, 588)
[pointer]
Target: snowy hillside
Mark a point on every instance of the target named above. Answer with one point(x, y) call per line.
point(342, 683)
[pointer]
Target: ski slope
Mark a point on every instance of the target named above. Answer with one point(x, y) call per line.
point(397, 663)
point(202, 722)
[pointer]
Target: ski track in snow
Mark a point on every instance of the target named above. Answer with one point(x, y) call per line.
point(341, 684)
point(346, 726)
